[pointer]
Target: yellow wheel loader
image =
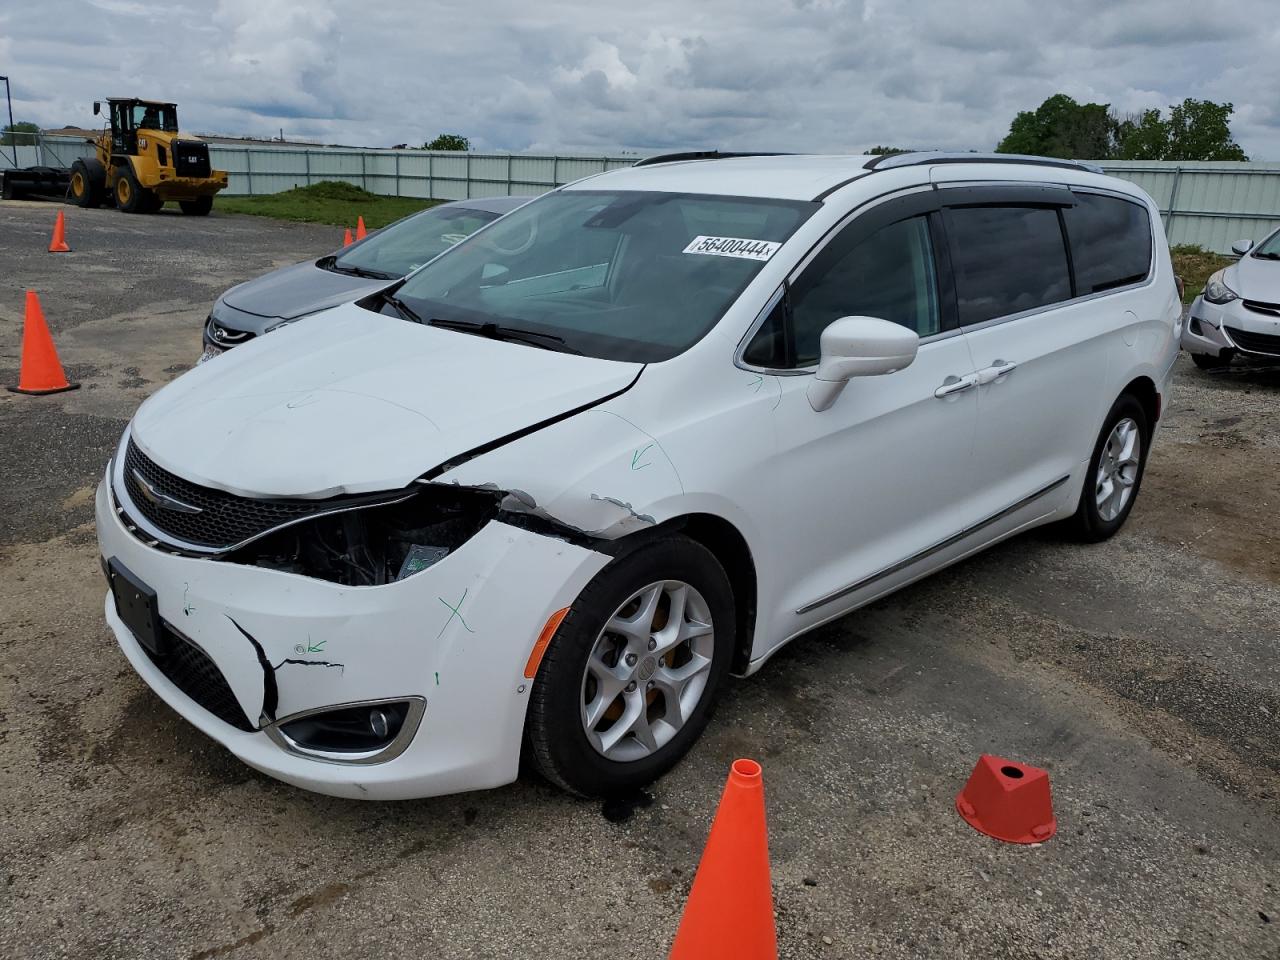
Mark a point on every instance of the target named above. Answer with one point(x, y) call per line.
point(142, 161)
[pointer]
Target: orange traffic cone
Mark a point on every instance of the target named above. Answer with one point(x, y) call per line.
point(360, 231)
point(59, 242)
point(346, 238)
point(730, 908)
point(41, 372)
point(1008, 800)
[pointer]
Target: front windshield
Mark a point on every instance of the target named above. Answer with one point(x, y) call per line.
point(155, 116)
point(1269, 249)
point(405, 246)
point(623, 275)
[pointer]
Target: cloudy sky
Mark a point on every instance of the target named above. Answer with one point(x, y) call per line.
point(604, 75)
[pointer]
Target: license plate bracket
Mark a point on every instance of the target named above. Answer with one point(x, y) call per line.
point(137, 606)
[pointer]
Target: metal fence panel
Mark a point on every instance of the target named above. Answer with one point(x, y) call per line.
point(1209, 204)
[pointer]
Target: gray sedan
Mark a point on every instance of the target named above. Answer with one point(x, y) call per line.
point(258, 306)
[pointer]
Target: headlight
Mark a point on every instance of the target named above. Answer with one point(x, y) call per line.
point(1216, 291)
point(374, 545)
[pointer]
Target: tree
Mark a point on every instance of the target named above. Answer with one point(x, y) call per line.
point(1201, 130)
point(448, 141)
point(886, 151)
point(23, 132)
point(1061, 127)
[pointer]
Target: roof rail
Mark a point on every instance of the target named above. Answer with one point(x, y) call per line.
point(890, 161)
point(702, 155)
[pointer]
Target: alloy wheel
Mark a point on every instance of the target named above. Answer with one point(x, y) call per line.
point(647, 670)
point(1118, 469)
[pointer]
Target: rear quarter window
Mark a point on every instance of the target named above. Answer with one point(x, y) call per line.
point(1110, 242)
point(1006, 260)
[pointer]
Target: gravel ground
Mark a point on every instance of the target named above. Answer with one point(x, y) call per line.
point(1142, 673)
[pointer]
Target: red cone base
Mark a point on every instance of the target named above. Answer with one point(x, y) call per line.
point(1009, 801)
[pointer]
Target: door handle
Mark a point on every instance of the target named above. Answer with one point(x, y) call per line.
point(953, 385)
point(994, 372)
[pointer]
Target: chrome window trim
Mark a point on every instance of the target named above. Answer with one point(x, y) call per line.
point(412, 720)
point(933, 549)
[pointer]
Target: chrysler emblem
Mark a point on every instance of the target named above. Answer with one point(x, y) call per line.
point(162, 500)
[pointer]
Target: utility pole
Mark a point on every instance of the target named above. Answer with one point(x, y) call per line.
point(13, 134)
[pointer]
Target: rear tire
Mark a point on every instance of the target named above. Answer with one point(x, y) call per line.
point(130, 195)
point(664, 575)
point(152, 202)
point(84, 192)
point(1114, 474)
point(199, 207)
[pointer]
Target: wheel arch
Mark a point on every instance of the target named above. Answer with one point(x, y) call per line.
point(730, 548)
point(1143, 389)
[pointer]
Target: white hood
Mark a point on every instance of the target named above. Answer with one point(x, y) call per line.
point(1255, 279)
point(351, 401)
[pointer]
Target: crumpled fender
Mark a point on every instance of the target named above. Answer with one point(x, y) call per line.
point(596, 474)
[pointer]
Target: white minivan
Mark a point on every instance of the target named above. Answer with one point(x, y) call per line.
point(540, 497)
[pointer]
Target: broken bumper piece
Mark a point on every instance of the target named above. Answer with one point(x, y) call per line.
point(252, 657)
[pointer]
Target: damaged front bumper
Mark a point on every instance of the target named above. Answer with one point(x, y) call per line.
point(453, 639)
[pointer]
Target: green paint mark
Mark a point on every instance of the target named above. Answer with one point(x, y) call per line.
point(454, 612)
point(437, 679)
point(758, 382)
point(635, 457)
point(317, 647)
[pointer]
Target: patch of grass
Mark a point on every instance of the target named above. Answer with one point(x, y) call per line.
point(1194, 264)
point(330, 202)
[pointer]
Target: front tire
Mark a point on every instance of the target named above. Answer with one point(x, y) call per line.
point(1114, 473)
point(631, 676)
point(1210, 361)
point(130, 195)
point(199, 207)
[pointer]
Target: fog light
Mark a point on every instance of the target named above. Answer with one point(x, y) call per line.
point(352, 733)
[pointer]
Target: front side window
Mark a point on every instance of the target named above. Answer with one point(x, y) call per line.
point(624, 275)
point(403, 247)
point(1110, 242)
point(889, 274)
point(1006, 260)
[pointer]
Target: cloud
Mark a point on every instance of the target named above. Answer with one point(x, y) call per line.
point(810, 75)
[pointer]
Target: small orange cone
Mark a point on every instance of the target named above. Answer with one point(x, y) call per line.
point(41, 372)
point(360, 231)
point(346, 238)
point(59, 242)
point(730, 909)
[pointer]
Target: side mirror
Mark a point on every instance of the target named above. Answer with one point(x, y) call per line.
point(859, 347)
point(1242, 247)
point(97, 107)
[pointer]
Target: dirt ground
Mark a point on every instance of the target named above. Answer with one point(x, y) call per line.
point(1142, 673)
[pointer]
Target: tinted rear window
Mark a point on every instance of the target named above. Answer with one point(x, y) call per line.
point(1006, 260)
point(1110, 242)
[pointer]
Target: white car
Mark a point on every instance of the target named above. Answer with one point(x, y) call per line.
point(546, 493)
point(1238, 314)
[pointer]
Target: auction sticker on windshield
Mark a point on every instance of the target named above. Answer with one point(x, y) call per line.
point(733, 247)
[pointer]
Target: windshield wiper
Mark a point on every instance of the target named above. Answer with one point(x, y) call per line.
point(386, 296)
point(1267, 256)
point(330, 263)
point(496, 331)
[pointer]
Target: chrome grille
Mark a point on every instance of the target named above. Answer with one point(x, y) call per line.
point(214, 519)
